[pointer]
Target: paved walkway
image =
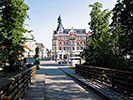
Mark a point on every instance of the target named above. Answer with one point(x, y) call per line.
point(59, 86)
point(36, 90)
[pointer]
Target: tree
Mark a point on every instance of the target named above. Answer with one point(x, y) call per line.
point(12, 16)
point(123, 15)
point(99, 47)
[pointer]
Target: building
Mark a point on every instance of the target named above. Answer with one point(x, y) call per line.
point(30, 45)
point(42, 50)
point(27, 51)
point(68, 43)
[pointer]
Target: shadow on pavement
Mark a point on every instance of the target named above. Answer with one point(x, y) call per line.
point(53, 65)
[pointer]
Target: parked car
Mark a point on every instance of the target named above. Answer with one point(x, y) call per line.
point(62, 62)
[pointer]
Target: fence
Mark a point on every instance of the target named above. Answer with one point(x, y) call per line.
point(121, 81)
point(15, 87)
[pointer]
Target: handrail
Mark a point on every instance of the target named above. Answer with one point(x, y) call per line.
point(14, 87)
point(121, 81)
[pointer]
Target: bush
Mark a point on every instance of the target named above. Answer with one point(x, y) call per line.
point(37, 62)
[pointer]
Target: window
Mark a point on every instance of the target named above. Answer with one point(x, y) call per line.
point(67, 43)
point(64, 43)
point(60, 48)
point(77, 48)
point(60, 43)
point(81, 37)
point(60, 56)
point(64, 48)
point(77, 37)
point(70, 48)
point(67, 38)
point(73, 48)
point(60, 37)
point(64, 37)
point(72, 37)
point(73, 42)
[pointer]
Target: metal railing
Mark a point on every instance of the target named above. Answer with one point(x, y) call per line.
point(120, 81)
point(13, 88)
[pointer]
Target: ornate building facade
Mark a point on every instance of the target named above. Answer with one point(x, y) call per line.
point(68, 43)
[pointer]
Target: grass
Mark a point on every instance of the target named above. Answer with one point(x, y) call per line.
point(73, 67)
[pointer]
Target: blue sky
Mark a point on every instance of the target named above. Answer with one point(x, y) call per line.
point(74, 13)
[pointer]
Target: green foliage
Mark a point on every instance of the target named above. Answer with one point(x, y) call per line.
point(37, 62)
point(98, 50)
point(123, 15)
point(111, 46)
point(12, 16)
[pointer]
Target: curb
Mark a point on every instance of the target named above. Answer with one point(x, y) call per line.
point(87, 86)
point(44, 84)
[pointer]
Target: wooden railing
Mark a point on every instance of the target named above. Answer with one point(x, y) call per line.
point(15, 87)
point(121, 81)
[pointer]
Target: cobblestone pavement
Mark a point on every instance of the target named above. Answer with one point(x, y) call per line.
point(59, 86)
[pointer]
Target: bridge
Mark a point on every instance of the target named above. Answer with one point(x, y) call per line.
point(59, 82)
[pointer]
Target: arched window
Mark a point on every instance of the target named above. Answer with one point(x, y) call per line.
point(73, 48)
point(72, 37)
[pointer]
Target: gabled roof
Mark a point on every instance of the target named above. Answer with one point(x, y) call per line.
point(40, 45)
point(60, 25)
point(89, 33)
point(25, 46)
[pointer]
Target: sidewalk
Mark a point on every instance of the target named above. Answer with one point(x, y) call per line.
point(101, 90)
point(36, 90)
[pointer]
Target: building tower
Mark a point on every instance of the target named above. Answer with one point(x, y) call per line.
point(60, 27)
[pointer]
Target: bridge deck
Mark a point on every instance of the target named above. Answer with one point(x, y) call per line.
point(100, 89)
